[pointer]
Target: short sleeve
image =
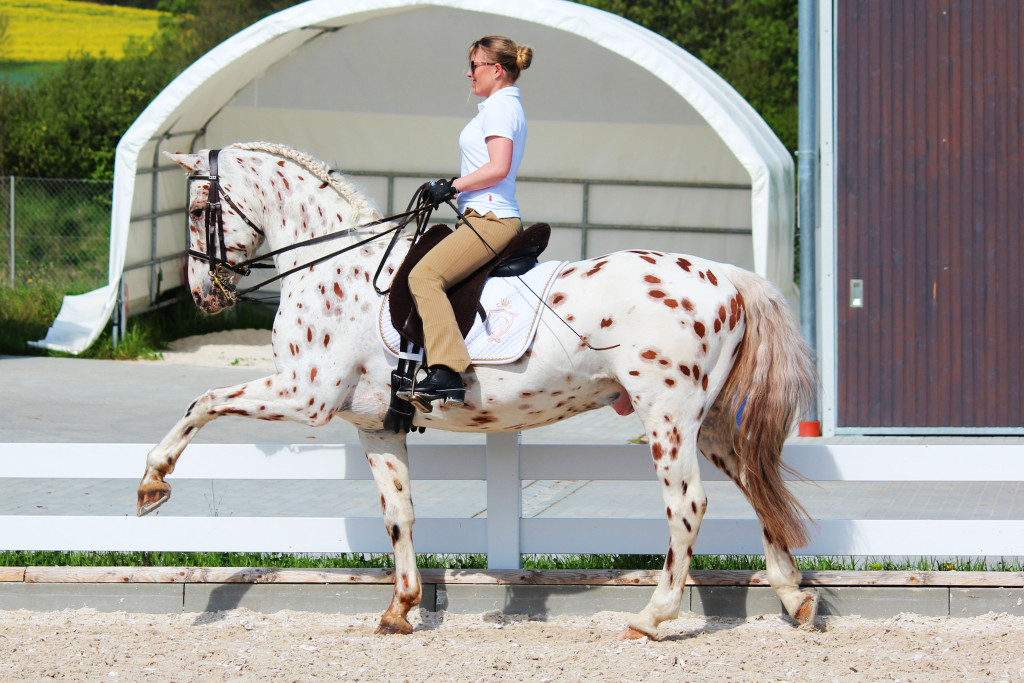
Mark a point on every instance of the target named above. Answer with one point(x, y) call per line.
point(498, 120)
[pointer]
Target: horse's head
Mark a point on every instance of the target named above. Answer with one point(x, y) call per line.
point(221, 231)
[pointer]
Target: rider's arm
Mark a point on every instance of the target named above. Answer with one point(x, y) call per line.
point(499, 150)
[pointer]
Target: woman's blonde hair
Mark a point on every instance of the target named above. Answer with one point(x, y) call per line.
point(513, 58)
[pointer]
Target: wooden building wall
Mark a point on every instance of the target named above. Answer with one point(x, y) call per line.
point(929, 193)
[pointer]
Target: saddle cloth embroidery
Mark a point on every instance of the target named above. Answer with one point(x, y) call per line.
point(513, 312)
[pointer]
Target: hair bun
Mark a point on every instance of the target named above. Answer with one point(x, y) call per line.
point(524, 56)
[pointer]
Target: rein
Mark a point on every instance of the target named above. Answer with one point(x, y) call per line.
point(221, 268)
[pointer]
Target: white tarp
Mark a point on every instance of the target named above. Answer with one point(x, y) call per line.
point(629, 134)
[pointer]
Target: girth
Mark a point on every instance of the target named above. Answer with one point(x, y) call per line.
point(517, 258)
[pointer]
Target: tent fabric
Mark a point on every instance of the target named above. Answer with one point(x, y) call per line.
point(629, 134)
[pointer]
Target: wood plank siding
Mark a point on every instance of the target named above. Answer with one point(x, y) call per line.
point(929, 150)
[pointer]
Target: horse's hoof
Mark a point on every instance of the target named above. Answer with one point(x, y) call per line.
point(807, 612)
point(152, 496)
point(633, 633)
point(394, 626)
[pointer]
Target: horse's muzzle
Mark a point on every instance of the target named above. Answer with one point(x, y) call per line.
point(211, 298)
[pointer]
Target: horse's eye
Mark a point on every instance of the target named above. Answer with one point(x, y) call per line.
point(196, 213)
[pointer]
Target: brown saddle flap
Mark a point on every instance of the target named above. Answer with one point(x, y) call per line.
point(464, 296)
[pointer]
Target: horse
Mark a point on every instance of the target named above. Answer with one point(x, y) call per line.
point(695, 343)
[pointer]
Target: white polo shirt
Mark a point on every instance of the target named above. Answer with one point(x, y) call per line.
point(502, 115)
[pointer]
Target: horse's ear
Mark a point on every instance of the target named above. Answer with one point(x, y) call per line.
point(193, 163)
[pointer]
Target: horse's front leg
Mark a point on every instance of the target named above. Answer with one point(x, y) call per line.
point(270, 398)
point(388, 457)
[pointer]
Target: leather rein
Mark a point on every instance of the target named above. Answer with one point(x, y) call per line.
point(221, 267)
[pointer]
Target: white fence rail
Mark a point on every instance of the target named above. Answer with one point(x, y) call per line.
point(504, 535)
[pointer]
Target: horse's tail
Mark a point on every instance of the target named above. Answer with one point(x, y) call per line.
point(772, 379)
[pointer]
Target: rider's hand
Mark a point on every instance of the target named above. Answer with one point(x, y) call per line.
point(439, 191)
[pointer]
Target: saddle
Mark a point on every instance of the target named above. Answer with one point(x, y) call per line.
point(517, 258)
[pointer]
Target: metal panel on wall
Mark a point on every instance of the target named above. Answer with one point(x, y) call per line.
point(929, 131)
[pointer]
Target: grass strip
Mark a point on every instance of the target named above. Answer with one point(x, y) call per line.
point(479, 561)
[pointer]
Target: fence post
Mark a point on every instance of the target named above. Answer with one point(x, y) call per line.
point(11, 219)
point(504, 501)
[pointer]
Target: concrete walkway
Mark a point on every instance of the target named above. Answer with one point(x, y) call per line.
point(66, 400)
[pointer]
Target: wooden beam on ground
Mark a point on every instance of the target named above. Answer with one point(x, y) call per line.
point(556, 577)
point(12, 573)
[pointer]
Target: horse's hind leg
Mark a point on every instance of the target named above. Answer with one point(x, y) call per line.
point(388, 458)
point(716, 443)
point(674, 449)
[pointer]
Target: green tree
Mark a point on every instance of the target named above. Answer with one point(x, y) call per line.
point(68, 122)
point(193, 27)
point(752, 44)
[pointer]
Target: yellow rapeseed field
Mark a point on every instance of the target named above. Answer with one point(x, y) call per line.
point(51, 30)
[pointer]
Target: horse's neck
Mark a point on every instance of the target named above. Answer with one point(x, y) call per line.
point(307, 210)
point(310, 210)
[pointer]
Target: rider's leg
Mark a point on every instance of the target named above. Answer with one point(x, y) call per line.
point(451, 261)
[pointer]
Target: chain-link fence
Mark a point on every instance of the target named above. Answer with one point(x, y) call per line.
point(54, 232)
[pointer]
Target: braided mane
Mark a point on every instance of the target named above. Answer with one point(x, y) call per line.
point(319, 169)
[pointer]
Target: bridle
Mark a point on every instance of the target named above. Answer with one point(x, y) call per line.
point(222, 269)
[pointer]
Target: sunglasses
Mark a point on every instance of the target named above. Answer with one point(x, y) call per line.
point(474, 65)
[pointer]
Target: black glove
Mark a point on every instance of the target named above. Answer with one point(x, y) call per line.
point(439, 191)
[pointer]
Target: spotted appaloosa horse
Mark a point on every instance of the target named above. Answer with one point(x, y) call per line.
point(695, 338)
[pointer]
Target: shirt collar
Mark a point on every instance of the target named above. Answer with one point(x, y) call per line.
point(510, 91)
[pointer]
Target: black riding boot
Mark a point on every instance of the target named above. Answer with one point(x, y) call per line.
point(441, 383)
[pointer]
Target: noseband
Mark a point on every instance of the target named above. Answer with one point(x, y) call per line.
point(221, 269)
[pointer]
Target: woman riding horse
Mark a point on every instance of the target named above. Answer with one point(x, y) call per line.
point(492, 146)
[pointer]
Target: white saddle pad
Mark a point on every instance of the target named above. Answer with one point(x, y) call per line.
point(513, 312)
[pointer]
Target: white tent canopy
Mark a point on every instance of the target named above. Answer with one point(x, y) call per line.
point(632, 141)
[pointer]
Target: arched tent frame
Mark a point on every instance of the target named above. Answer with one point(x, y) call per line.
point(633, 141)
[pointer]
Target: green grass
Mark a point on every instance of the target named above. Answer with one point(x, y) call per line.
point(540, 562)
point(62, 234)
point(27, 311)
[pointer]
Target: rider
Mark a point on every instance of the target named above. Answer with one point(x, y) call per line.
point(492, 146)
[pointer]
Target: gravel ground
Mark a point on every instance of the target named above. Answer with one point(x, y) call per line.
point(246, 646)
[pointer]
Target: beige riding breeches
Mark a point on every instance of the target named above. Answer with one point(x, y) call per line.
point(451, 261)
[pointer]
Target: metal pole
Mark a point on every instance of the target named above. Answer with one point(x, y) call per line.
point(154, 203)
point(122, 305)
point(11, 222)
point(807, 177)
point(585, 220)
point(116, 324)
